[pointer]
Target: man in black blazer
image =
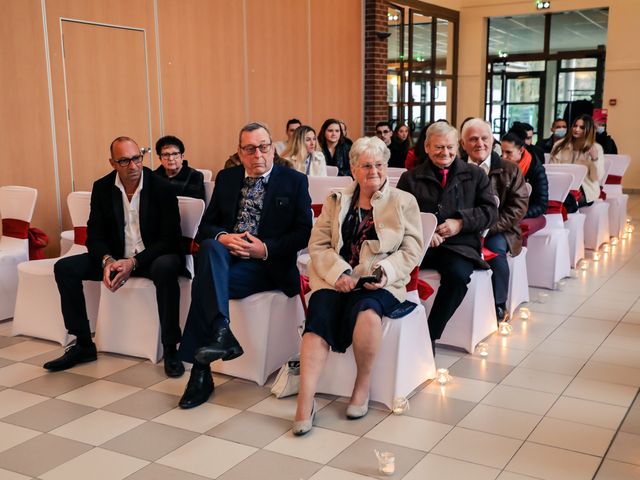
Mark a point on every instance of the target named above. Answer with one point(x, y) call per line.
point(258, 219)
point(133, 230)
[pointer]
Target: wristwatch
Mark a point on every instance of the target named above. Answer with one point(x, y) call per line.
point(105, 259)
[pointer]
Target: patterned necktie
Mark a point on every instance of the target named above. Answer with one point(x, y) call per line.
point(444, 172)
point(250, 208)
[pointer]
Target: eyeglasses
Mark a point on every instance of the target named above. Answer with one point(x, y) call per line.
point(124, 162)
point(170, 155)
point(442, 148)
point(382, 132)
point(251, 149)
point(370, 166)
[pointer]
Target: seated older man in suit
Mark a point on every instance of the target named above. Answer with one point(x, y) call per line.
point(258, 219)
point(507, 182)
point(459, 195)
point(133, 230)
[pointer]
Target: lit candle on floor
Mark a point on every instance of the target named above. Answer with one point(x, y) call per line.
point(400, 405)
point(504, 329)
point(525, 313)
point(443, 376)
point(386, 462)
point(483, 349)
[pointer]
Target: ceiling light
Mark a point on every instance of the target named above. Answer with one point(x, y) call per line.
point(543, 5)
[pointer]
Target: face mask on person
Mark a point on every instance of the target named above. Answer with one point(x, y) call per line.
point(560, 132)
point(599, 129)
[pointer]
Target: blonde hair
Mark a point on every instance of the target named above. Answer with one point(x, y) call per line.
point(296, 149)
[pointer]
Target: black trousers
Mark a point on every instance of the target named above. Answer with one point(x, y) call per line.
point(163, 272)
point(455, 274)
point(500, 266)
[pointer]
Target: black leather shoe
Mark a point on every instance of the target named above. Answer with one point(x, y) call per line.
point(73, 355)
point(224, 346)
point(501, 314)
point(199, 388)
point(173, 367)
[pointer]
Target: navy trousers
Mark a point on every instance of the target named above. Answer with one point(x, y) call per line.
point(455, 273)
point(219, 277)
point(500, 279)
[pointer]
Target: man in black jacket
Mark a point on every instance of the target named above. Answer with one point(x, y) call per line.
point(460, 196)
point(133, 230)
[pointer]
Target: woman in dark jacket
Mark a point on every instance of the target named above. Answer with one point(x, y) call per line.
point(334, 147)
point(514, 150)
point(185, 181)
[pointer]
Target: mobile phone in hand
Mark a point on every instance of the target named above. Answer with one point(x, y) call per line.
point(375, 277)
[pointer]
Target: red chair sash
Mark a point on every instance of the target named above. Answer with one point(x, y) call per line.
point(189, 246)
point(555, 207)
point(613, 180)
point(317, 209)
point(603, 194)
point(38, 240)
point(14, 228)
point(486, 253)
point(576, 194)
point(304, 289)
point(80, 235)
point(415, 283)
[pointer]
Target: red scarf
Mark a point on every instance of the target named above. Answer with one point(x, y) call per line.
point(525, 162)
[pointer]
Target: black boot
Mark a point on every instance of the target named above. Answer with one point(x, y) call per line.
point(199, 388)
point(224, 346)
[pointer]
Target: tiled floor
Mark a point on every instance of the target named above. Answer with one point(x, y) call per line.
point(555, 400)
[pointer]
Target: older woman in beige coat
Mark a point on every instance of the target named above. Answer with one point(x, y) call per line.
point(368, 225)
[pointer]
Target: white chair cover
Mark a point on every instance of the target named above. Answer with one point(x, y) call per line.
point(475, 319)
point(43, 319)
point(395, 171)
point(332, 171)
point(128, 319)
point(548, 249)
point(16, 203)
point(518, 281)
point(616, 199)
point(208, 192)
point(208, 174)
point(575, 221)
point(267, 326)
point(319, 187)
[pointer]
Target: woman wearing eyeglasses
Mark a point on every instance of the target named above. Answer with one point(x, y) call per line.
point(186, 181)
point(304, 154)
point(363, 247)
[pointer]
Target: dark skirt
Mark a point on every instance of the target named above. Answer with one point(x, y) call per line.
point(332, 315)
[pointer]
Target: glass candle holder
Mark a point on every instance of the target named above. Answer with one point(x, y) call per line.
point(606, 248)
point(614, 241)
point(400, 405)
point(504, 329)
point(483, 349)
point(525, 314)
point(584, 265)
point(596, 256)
point(443, 376)
point(542, 297)
point(386, 462)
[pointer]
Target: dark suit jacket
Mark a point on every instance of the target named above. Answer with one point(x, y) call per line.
point(285, 222)
point(467, 196)
point(189, 182)
point(159, 220)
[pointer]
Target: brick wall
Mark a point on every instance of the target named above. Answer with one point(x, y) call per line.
point(375, 65)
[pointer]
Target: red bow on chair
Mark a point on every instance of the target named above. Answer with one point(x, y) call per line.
point(80, 235)
point(189, 246)
point(38, 240)
point(555, 207)
point(416, 283)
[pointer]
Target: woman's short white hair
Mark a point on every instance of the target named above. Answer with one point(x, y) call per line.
point(372, 146)
point(440, 128)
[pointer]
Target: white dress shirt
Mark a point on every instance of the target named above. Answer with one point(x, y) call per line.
point(485, 166)
point(132, 237)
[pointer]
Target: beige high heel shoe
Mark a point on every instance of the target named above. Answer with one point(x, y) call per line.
point(358, 411)
point(302, 427)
